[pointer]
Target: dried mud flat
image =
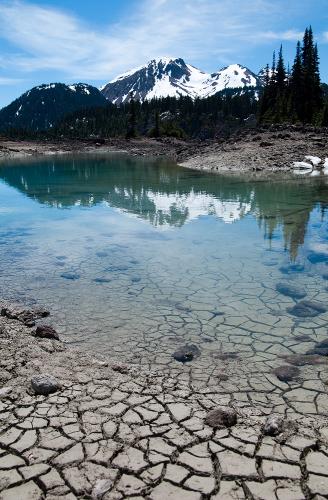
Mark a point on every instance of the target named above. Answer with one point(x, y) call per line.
point(116, 431)
point(259, 151)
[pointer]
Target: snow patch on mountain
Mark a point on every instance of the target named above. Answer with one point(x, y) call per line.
point(169, 76)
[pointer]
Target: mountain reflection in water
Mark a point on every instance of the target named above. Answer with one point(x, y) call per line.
point(168, 196)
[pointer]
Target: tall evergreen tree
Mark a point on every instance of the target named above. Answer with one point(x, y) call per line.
point(311, 79)
point(281, 72)
point(296, 87)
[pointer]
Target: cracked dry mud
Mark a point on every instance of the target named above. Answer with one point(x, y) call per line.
point(116, 431)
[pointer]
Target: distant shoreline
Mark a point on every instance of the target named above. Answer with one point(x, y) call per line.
point(261, 152)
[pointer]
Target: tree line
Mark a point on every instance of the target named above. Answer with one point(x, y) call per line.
point(171, 117)
point(296, 95)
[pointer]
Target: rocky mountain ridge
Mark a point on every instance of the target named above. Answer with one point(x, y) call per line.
point(43, 106)
point(173, 77)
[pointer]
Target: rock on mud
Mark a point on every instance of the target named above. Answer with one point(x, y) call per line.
point(221, 417)
point(285, 373)
point(186, 353)
point(273, 425)
point(44, 384)
point(46, 332)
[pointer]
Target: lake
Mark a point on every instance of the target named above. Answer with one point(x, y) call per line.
point(136, 258)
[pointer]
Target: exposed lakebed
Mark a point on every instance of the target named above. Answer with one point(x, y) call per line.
point(141, 260)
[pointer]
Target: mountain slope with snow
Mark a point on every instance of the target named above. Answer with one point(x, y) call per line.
point(44, 106)
point(173, 77)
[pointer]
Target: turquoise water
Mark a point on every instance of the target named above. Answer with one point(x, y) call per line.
point(135, 258)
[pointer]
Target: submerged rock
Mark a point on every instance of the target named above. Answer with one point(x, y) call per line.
point(46, 332)
point(44, 384)
point(290, 291)
point(102, 280)
point(307, 308)
point(303, 338)
point(273, 425)
point(221, 417)
point(70, 276)
point(227, 355)
point(317, 257)
point(285, 373)
point(292, 268)
point(186, 353)
point(304, 359)
point(320, 348)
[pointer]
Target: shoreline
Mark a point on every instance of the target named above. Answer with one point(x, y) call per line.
point(258, 152)
point(113, 430)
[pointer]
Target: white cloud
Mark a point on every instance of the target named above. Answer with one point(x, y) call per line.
point(9, 81)
point(289, 35)
point(50, 39)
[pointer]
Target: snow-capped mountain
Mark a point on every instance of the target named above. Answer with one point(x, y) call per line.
point(173, 77)
point(43, 107)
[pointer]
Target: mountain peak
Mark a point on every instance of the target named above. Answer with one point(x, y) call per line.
point(43, 106)
point(172, 76)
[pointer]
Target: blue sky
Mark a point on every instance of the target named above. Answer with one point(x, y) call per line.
point(93, 41)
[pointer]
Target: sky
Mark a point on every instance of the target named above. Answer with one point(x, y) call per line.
point(93, 41)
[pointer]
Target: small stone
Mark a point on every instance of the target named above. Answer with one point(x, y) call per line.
point(221, 417)
point(286, 373)
point(4, 391)
point(273, 425)
point(46, 332)
point(186, 353)
point(44, 384)
point(101, 487)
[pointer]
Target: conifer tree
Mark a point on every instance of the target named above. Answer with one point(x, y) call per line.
point(132, 121)
point(157, 131)
point(296, 86)
point(281, 72)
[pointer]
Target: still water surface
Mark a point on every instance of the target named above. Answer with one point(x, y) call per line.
point(138, 257)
